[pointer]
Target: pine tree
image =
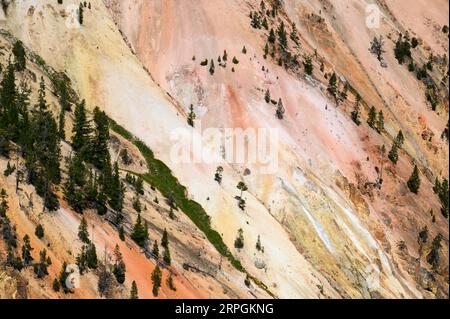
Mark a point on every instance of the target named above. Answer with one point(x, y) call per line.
point(191, 116)
point(258, 244)
point(40, 268)
point(372, 117)
point(380, 122)
point(42, 152)
point(100, 153)
point(156, 280)
point(239, 242)
point(308, 65)
point(76, 182)
point(272, 38)
point(39, 231)
point(83, 233)
point(81, 131)
point(26, 251)
point(165, 239)
point(218, 175)
point(122, 233)
point(80, 14)
point(332, 85)
point(414, 181)
point(433, 257)
point(400, 138)
point(393, 153)
point(139, 185)
point(170, 283)
point(140, 233)
point(91, 256)
point(280, 110)
point(294, 34)
point(212, 68)
point(116, 195)
point(155, 249)
point(119, 268)
point(355, 112)
point(242, 187)
point(19, 54)
point(166, 256)
point(3, 203)
point(267, 96)
point(56, 286)
point(134, 291)
point(8, 111)
point(282, 37)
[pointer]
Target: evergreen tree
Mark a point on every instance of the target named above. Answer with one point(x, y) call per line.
point(155, 249)
point(80, 14)
point(156, 280)
point(258, 244)
point(26, 251)
point(19, 54)
point(140, 232)
point(400, 138)
point(3, 203)
point(239, 242)
point(139, 185)
point(40, 268)
point(39, 231)
point(280, 110)
point(83, 233)
point(414, 181)
point(355, 112)
point(272, 38)
point(332, 85)
point(170, 283)
point(134, 291)
point(42, 152)
point(165, 239)
point(91, 256)
point(282, 36)
point(433, 257)
point(242, 187)
point(8, 111)
point(380, 122)
point(76, 182)
point(393, 153)
point(191, 116)
point(212, 68)
point(119, 268)
point(294, 34)
point(402, 49)
point(267, 96)
point(56, 286)
point(81, 131)
point(122, 233)
point(116, 195)
point(308, 66)
point(100, 153)
point(372, 117)
point(218, 175)
point(166, 256)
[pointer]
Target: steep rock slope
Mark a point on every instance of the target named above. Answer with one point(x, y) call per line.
point(318, 194)
point(324, 233)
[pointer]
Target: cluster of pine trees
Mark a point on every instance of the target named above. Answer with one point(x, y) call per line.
point(277, 45)
point(35, 132)
point(93, 182)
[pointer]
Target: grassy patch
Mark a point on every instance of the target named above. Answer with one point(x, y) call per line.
point(161, 177)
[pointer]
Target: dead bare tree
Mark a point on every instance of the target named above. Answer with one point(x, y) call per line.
point(376, 48)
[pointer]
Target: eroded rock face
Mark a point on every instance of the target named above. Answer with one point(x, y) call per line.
point(332, 217)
